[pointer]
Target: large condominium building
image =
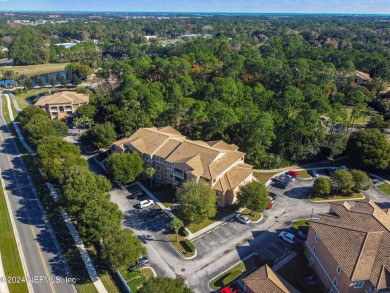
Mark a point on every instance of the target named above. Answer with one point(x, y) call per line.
point(349, 247)
point(177, 159)
point(62, 105)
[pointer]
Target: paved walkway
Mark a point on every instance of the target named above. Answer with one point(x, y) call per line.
point(76, 237)
point(3, 285)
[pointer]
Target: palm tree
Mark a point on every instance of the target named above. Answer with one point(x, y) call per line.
point(150, 173)
point(176, 225)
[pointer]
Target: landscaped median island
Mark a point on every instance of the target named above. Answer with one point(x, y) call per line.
point(252, 262)
point(303, 174)
point(385, 187)
point(137, 278)
point(263, 177)
point(330, 198)
point(253, 216)
point(182, 245)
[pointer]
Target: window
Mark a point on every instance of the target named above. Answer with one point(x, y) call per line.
point(358, 284)
point(335, 282)
point(165, 170)
point(158, 176)
point(171, 176)
point(170, 167)
point(316, 238)
point(338, 270)
point(157, 159)
point(314, 249)
point(147, 158)
point(158, 168)
point(165, 162)
point(311, 261)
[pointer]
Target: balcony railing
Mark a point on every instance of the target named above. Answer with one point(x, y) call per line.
point(178, 174)
point(54, 110)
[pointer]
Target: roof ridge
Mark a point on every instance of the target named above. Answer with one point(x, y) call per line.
point(366, 239)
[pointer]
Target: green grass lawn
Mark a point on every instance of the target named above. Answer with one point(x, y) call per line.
point(264, 177)
point(9, 250)
point(147, 272)
point(65, 240)
point(186, 252)
point(235, 272)
point(136, 278)
point(385, 187)
point(256, 216)
point(300, 223)
point(361, 120)
point(295, 272)
point(304, 174)
point(32, 70)
point(353, 196)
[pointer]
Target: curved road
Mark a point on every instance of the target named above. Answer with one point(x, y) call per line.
point(46, 268)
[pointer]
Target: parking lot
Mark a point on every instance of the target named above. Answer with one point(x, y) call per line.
point(275, 250)
point(148, 220)
point(221, 234)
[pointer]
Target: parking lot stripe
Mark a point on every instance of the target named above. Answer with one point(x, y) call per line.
point(226, 231)
point(215, 232)
point(200, 242)
point(232, 226)
point(211, 240)
point(277, 247)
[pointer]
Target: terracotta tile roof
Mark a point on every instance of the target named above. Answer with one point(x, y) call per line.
point(357, 235)
point(65, 97)
point(363, 75)
point(264, 280)
point(203, 159)
point(220, 144)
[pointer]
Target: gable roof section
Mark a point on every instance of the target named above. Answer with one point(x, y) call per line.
point(65, 97)
point(264, 280)
point(357, 235)
point(363, 75)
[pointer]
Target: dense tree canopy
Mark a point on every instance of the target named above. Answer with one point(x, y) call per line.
point(253, 196)
point(124, 167)
point(371, 148)
point(197, 202)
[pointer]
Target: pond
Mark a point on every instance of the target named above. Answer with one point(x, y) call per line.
point(10, 82)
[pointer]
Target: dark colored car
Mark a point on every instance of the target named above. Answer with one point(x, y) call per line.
point(155, 213)
point(298, 233)
point(140, 263)
point(313, 173)
point(273, 195)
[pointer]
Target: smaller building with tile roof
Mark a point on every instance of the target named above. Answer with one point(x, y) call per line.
point(177, 159)
point(62, 105)
point(349, 247)
point(263, 280)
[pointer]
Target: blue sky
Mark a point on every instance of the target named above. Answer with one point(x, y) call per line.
point(297, 6)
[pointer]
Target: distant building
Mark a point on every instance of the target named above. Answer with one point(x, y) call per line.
point(177, 159)
point(148, 38)
point(62, 105)
point(362, 78)
point(263, 280)
point(349, 247)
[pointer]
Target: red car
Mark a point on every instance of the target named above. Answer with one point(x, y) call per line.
point(293, 173)
point(229, 289)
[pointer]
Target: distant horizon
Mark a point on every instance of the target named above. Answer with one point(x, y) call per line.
point(191, 12)
point(370, 7)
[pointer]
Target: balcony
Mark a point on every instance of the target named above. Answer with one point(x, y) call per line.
point(178, 174)
point(53, 110)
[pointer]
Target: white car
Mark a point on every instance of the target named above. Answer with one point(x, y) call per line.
point(243, 219)
point(145, 203)
point(288, 237)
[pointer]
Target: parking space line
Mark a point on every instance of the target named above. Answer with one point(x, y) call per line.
point(232, 226)
point(198, 241)
point(226, 231)
point(215, 232)
point(211, 240)
point(277, 247)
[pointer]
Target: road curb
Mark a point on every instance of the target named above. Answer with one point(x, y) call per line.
point(183, 257)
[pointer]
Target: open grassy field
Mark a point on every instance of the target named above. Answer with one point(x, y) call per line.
point(9, 250)
point(32, 70)
point(361, 120)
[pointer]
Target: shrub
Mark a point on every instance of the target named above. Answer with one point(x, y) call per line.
point(187, 245)
point(134, 284)
point(183, 232)
point(231, 277)
point(322, 186)
point(361, 181)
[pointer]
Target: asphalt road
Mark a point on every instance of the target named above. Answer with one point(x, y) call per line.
point(47, 270)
